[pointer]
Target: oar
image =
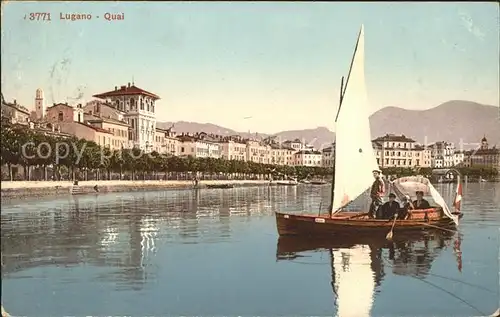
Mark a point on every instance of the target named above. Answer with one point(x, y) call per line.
point(389, 234)
point(437, 227)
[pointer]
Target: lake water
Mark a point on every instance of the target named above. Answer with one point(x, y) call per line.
point(216, 252)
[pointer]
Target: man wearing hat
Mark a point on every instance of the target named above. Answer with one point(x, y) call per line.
point(376, 193)
point(420, 203)
point(390, 208)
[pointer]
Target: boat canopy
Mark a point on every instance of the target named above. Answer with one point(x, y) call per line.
point(410, 184)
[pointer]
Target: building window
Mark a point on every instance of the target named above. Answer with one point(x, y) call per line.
point(60, 116)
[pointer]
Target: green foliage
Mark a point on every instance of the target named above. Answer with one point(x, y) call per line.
point(86, 155)
point(487, 172)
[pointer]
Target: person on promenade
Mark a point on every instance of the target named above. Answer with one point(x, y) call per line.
point(376, 193)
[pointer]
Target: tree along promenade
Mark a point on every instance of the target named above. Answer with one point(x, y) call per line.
point(28, 155)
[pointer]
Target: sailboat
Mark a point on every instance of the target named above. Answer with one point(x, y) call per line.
point(354, 162)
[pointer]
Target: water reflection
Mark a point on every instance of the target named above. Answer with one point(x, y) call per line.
point(123, 231)
point(162, 249)
point(359, 264)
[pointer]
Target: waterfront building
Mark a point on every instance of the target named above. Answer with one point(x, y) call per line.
point(119, 130)
point(62, 112)
point(296, 144)
point(166, 142)
point(396, 151)
point(257, 151)
point(233, 148)
point(307, 158)
point(138, 106)
point(14, 113)
point(485, 156)
point(199, 145)
point(70, 120)
point(442, 154)
point(421, 156)
point(328, 156)
point(438, 161)
point(458, 158)
point(103, 109)
point(280, 154)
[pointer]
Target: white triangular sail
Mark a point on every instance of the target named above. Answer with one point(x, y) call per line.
point(354, 156)
point(353, 281)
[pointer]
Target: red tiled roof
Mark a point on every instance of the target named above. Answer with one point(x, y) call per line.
point(95, 128)
point(92, 118)
point(17, 107)
point(125, 91)
point(490, 151)
point(60, 104)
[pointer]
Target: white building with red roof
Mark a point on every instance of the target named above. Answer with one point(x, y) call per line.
point(138, 106)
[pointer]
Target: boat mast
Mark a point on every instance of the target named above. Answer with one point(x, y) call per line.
point(333, 165)
point(343, 88)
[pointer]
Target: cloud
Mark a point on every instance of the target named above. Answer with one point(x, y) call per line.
point(468, 23)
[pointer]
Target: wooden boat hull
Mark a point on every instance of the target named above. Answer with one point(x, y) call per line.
point(347, 223)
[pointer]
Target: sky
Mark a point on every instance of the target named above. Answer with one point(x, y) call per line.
point(279, 63)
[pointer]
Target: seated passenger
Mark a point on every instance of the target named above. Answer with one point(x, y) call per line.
point(390, 208)
point(407, 206)
point(420, 203)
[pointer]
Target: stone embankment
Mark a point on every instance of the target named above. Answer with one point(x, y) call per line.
point(19, 189)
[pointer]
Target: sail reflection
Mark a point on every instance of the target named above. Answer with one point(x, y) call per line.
point(359, 264)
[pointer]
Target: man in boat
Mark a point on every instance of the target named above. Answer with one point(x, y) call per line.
point(376, 193)
point(390, 208)
point(421, 203)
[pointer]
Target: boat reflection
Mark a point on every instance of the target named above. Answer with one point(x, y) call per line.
point(359, 264)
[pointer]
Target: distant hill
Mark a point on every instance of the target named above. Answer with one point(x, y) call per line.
point(450, 121)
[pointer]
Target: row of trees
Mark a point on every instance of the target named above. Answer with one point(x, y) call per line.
point(40, 154)
point(81, 159)
point(486, 172)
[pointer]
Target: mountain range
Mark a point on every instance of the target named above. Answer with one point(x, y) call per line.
point(457, 121)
